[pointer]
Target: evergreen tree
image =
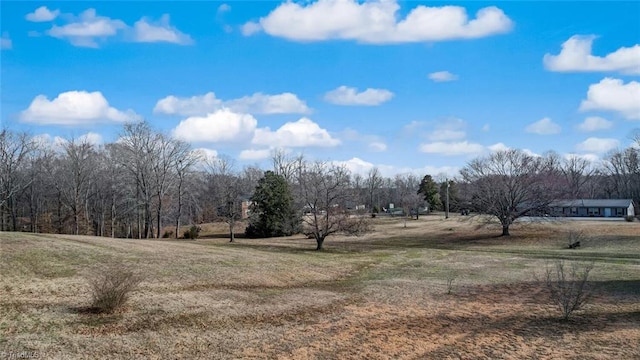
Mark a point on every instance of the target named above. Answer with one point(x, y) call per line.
point(273, 212)
point(429, 190)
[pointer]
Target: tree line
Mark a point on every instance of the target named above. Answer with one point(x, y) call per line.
point(149, 185)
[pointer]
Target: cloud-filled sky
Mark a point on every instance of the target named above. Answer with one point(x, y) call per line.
point(402, 85)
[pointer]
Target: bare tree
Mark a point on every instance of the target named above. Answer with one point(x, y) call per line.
point(407, 187)
point(509, 184)
point(229, 188)
point(324, 190)
point(373, 183)
point(577, 173)
point(14, 151)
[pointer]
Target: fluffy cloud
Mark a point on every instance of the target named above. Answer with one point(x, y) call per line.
point(448, 129)
point(613, 95)
point(220, 126)
point(593, 158)
point(498, 147)
point(344, 95)
point(378, 146)
point(452, 148)
point(358, 166)
point(543, 126)
point(195, 105)
point(301, 133)
point(597, 145)
point(224, 8)
point(442, 76)
point(257, 103)
point(595, 123)
point(74, 108)
point(42, 14)
point(377, 22)
point(161, 31)
point(252, 154)
point(5, 41)
point(576, 56)
point(206, 154)
point(88, 27)
point(91, 138)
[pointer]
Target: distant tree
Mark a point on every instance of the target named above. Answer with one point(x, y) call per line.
point(429, 190)
point(229, 188)
point(407, 192)
point(373, 183)
point(273, 213)
point(510, 184)
point(453, 195)
point(325, 191)
point(14, 155)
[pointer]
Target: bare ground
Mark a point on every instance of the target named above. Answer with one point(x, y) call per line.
point(381, 296)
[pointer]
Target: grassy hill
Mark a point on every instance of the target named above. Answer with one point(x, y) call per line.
point(433, 289)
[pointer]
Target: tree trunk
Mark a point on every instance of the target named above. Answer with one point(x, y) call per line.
point(232, 235)
point(319, 241)
point(505, 230)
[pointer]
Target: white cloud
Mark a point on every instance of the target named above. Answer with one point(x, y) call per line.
point(498, 147)
point(452, 148)
point(47, 142)
point(301, 133)
point(442, 76)
point(593, 158)
point(161, 31)
point(358, 166)
point(84, 30)
point(91, 138)
point(252, 154)
point(378, 146)
point(250, 28)
point(544, 126)
point(597, 145)
point(448, 129)
point(74, 108)
point(576, 56)
point(595, 123)
point(258, 103)
point(42, 14)
point(344, 95)
point(220, 126)
point(377, 22)
point(613, 95)
point(224, 8)
point(206, 154)
point(5, 41)
point(195, 105)
point(486, 127)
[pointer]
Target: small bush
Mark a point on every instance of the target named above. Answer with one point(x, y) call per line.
point(111, 286)
point(569, 289)
point(167, 234)
point(192, 233)
point(629, 218)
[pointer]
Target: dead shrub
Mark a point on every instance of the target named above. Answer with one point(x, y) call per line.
point(569, 288)
point(111, 286)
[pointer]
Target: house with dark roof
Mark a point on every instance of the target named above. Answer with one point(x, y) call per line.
point(593, 208)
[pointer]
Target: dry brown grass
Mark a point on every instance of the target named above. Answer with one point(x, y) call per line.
point(380, 296)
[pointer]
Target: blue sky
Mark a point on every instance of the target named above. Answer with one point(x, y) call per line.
point(402, 85)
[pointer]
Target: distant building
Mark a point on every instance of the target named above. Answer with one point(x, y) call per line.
point(593, 208)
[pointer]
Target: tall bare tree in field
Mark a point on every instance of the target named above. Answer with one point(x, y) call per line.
point(325, 191)
point(373, 182)
point(14, 151)
point(510, 184)
point(229, 188)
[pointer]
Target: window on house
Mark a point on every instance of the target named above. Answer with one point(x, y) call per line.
point(594, 211)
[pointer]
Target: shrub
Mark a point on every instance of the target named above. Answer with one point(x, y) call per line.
point(167, 234)
point(192, 233)
point(569, 289)
point(111, 286)
point(629, 218)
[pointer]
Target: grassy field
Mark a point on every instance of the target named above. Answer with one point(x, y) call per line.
point(380, 296)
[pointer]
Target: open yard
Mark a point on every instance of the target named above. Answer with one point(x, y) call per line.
point(380, 296)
